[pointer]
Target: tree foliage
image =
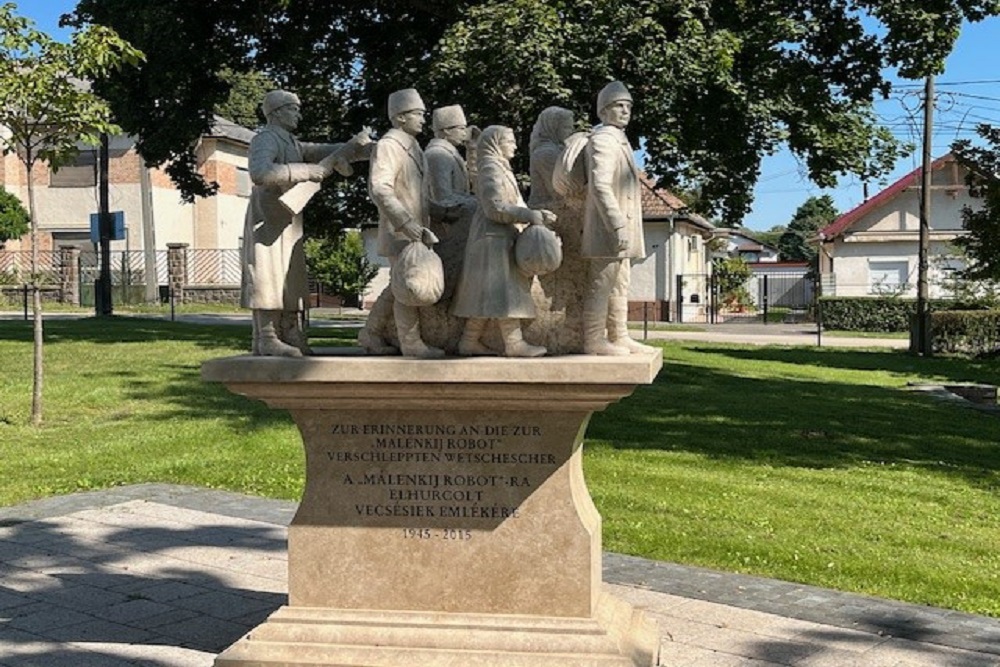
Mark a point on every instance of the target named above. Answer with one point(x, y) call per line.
point(814, 214)
point(731, 276)
point(14, 220)
point(718, 85)
point(982, 243)
point(340, 264)
point(246, 90)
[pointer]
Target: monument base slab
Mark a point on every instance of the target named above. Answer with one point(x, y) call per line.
point(616, 636)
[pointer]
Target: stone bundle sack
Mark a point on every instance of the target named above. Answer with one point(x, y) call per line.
point(537, 251)
point(418, 277)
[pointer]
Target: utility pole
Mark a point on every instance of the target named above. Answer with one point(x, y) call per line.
point(923, 342)
point(102, 290)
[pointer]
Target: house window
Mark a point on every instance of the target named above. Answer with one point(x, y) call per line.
point(80, 173)
point(888, 277)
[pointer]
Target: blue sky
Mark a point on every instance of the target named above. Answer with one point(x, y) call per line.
point(967, 93)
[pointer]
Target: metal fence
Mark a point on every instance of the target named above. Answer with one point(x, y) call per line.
point(214, 267)
point(15, 267)
point(700, 298)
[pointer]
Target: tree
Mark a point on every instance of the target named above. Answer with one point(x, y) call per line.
point(14, 220)
point(982, 243)
point(340, 264)
point(731, 276)
point(242, 106)
point(814, 214)
point(771, 236)
point(718, 85)
point(47, 109)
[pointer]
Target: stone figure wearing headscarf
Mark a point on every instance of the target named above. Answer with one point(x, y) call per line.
point(550, 132)
point(491, 287)
point(274, 266)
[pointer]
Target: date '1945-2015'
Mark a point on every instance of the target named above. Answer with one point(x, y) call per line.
point(428, 534)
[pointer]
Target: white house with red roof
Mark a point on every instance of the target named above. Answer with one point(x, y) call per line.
point(873, 248)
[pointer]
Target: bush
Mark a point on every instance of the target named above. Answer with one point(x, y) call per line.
point(968, 332)
point(878, 314)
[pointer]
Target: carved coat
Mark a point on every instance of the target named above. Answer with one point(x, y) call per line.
point(543, 163)
point(614, 198)
point(274, 262)
point(395, 184)
point(491, 285)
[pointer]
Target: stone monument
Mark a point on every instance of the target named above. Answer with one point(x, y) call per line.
point(445, 519)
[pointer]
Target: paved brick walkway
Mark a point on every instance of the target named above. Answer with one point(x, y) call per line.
point(168, 576)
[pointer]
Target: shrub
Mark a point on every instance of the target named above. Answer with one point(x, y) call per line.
point(880, 314)
point(970, 332)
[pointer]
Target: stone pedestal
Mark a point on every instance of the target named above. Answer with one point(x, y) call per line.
point(445, 518)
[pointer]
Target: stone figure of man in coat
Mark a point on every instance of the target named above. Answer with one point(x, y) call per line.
point(612, 227)
point(395, 184)
point(274, 265)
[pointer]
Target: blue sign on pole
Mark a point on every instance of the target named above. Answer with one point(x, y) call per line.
point(117, 228)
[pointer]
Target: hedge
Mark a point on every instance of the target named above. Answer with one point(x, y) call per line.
point(969, 332)
point(880, 314)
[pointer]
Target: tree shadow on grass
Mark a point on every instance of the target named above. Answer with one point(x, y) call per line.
point(787, 422)
point(116, 330)
point(893, 361)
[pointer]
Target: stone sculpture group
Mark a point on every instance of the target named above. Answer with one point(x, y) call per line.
point(474, 269)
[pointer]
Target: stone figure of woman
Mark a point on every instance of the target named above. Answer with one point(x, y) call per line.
point(491, 287)
point(548, 137)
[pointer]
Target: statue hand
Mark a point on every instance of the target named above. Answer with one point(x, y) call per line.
point(317, 173)
point(622, 239)
point(411, 230)
point(548, 217)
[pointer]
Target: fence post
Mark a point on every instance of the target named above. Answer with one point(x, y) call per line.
point(25, 298)
point(176, 271)
point(765, 297)
point(69, 275)
point(680, 299)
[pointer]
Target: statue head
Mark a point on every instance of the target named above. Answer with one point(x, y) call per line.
point(554, 124)
point(496, 143)
point(281, 108)
point(614, 104)
point(407, 111)
point(449, 124)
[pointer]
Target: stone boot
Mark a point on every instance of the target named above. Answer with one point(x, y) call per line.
point(595, 340)
point(408, 329)
point(470, 345)
point(618, 327)
point(292, 332)
point(513, 341)
point(265, 336)
point(373, 337)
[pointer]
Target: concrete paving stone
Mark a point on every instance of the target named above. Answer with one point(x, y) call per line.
point(204, 633)
point(224, 605)
point(81, 598)
point(933, 655)
point(160, 590)
point(32, 607)
point(99, 630)
point(151, 623)
point(152, 654)
point(833, 657)
point(758, 623)
point(841, 639)
point(132, 611)
point(66, 656)
point(760, 647)
point(10, 599)
point(46, 618)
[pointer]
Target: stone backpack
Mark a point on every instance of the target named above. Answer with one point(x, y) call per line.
point(569, 177)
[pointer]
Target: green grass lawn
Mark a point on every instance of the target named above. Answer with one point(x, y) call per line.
point(810, 465)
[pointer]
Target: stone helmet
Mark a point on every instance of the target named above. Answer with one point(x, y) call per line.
point(611, 93)
point(445, 117)
point(404, 100)
point(276, 99)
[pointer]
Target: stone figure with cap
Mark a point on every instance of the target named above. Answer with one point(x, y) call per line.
point(274, 267)
point(446, 177)
point(612, 227)
point(395, 184)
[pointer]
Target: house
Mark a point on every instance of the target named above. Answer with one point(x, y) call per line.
point(675, 268)
point(154, 215)
point(873, 248)
point(742, 243)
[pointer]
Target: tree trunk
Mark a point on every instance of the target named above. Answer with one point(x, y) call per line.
point(36, 306)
